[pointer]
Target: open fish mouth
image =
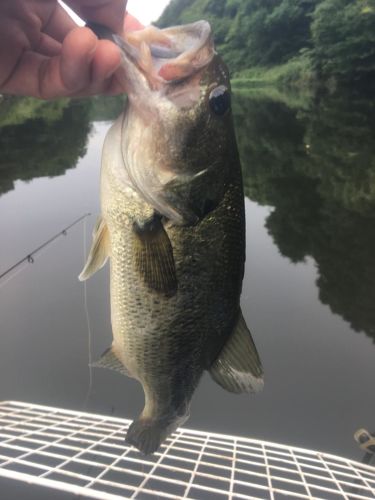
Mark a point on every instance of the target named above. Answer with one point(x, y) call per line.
point(173, 53)
point(164, 56)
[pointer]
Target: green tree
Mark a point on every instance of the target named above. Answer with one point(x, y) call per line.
point(336, 38)
point(343, 34)
point(173, 12)
point(252, 31)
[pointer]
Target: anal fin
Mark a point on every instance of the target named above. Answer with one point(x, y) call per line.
point(99, 251)
point(154, 256)
point(238, 367)
point(110, 360)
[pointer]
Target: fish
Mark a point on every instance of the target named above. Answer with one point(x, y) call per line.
point(172, 225)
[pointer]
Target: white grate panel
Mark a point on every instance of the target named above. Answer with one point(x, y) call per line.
point(86, 454)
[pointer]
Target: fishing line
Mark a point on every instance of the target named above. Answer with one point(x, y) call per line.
point(87, 314)
point(22, 268)
point(29, 258)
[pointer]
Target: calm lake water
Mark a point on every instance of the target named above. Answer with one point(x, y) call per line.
point(309, 286)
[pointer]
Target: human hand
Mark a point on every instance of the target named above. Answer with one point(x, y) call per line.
point(44, 54)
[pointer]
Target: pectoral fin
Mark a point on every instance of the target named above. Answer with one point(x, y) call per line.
point(109, 360)
point(238, 367)
point(99, 250)
point(154, 256)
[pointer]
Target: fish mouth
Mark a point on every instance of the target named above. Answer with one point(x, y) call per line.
point(164, 56)
point(156, 61)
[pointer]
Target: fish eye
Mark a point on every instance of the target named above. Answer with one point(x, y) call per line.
point(219, 100)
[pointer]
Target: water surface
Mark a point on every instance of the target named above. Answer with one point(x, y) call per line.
point(309, 286)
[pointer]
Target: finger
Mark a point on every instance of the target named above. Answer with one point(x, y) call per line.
point(69, 73)
point(77, 53)
point(59, 24)
point(107, 59)
point(48, 46)
point(103, 87)
point(115, 86)
point(110, 13)
point(25, 79)
point(12, 44)
point(131, 23)
point(84, 67)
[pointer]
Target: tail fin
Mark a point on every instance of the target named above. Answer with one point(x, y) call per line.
point(147, 434)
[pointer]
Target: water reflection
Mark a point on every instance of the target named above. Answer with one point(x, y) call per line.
point(46, 138)
point(315, 164)
point(39, 139)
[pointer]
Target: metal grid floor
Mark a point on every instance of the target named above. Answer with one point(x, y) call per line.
point(85, 454)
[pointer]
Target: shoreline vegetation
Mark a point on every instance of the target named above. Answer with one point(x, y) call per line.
point(296, 73)
point(316, 44)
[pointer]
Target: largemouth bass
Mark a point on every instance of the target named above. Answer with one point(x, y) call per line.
point(173, 226)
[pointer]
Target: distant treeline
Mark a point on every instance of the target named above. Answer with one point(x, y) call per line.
point(330, 39)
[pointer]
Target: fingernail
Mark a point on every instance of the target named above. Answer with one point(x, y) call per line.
point(112, 71)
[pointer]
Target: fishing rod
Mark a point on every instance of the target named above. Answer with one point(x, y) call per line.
point(29, 256)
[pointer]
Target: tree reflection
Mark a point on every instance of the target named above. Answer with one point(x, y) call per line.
point(316, 165)
point(39, 138)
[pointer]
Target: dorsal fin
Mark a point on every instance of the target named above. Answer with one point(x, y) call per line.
point(99, 251)
point(238, 367)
